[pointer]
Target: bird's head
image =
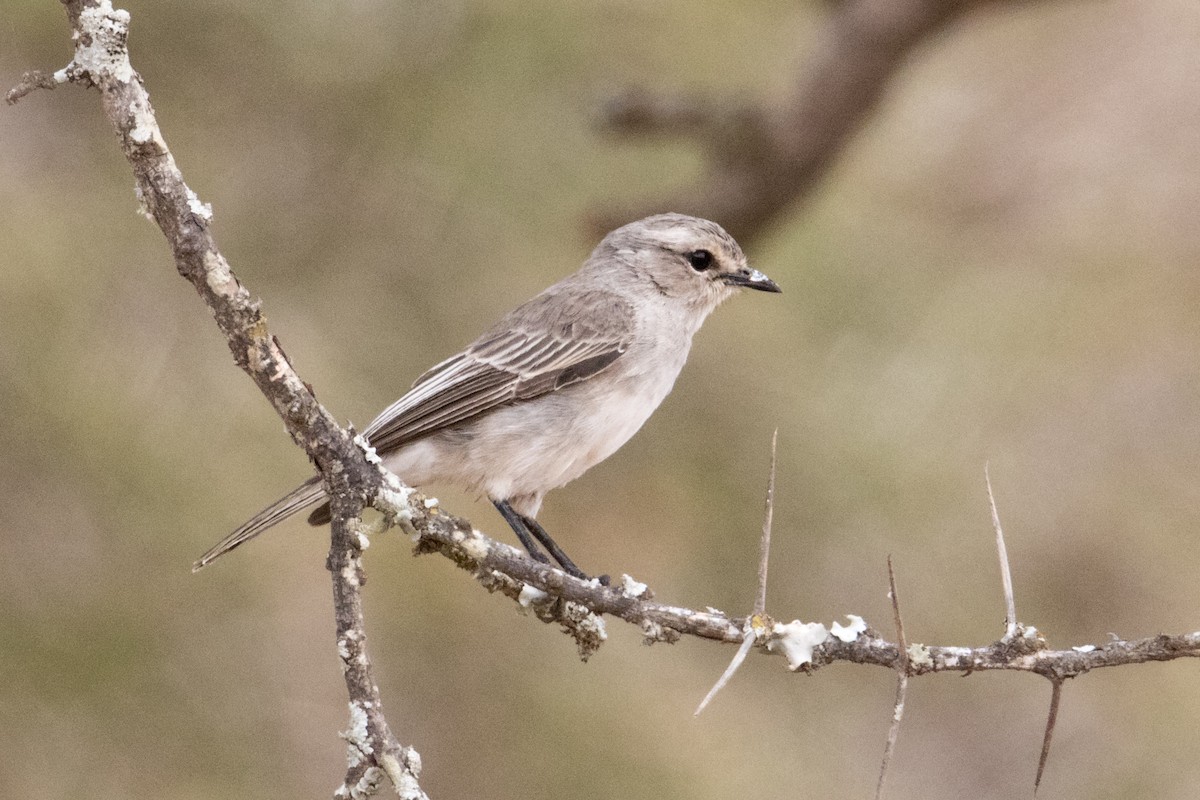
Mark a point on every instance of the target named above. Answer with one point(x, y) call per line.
point(686, 258)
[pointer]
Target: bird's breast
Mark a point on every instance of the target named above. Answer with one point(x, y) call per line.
point(531, 447)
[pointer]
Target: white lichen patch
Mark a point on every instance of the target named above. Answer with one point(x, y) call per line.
point(848, 633)
point(219, 278)
point(404, 779)
point(408, 788)
point(364, 530)
point(392, 499)
point(367, 786)
point(797, 640)
point(918, 655)
point(143, 210)
point(531, 594)
point(357, 734)
point(1084, 648)
point(368, 451)
point(102, 51)
point(475, 545)
point(346, 654)
point(651, 631)
point(586, 621)
point(431, 502)
point(631, 587)
point(350, 571)
point(201, 210)
point(413, 759)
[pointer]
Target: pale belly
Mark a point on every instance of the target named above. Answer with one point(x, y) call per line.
point(525, 450)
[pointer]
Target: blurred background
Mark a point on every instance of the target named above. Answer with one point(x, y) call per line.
point(1000, 267)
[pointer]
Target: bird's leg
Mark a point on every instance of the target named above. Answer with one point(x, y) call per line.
point(523, 526)
point(568, 565)
point(517, 523)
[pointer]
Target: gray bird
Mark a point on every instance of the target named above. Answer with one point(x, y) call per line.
point(558, 384)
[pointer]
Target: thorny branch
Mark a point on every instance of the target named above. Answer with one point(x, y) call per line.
point(556, 597)
point(501, 568)
point(884, 30)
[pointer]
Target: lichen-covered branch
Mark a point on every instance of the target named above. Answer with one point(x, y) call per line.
point(763, 158)
point(101, 60)
point(372, 750)
point(501, 568)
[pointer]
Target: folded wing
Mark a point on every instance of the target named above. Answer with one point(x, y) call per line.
point(522, 357)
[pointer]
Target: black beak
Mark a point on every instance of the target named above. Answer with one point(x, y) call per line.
point(751, 279)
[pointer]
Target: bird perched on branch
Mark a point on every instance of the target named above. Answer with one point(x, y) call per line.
point(557, 385)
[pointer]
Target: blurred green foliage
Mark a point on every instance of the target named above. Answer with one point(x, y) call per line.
point(1002, 267)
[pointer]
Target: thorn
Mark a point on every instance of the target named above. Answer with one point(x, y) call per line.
point(748, 639)
point(1055, 697)
point(749, 634)
point(764, 550)
point(1010, 604)
point(896, 614)
point(901, 683)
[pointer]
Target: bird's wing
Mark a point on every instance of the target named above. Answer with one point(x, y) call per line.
point(540, 347)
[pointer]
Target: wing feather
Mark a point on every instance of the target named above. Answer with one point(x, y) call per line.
point(518, 360)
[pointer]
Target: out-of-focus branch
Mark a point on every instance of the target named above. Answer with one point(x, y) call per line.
point(101, 59)
point(761, 159)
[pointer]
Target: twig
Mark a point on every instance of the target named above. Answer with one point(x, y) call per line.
point(1051, 719)
point(1010, 603)
point(33, 80)
point(901, 683)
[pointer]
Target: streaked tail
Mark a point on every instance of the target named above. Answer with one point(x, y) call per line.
point(309, 493)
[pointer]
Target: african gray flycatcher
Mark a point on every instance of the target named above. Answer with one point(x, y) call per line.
point(558, 384)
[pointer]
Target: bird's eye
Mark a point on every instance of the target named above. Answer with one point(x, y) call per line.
point(700, 260)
